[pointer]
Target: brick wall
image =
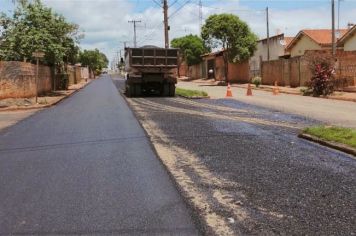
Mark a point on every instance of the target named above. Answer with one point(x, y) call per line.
point(77, 74)
point(296, 72)
point(237, 72)
point(17, 79)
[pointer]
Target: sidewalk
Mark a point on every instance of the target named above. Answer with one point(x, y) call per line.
point(330, 111)
point(13, 110)
point(343, 96)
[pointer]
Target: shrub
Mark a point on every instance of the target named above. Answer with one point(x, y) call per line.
point(306, 91)
point(257, 81)
point(322, 81)
point(62, 81)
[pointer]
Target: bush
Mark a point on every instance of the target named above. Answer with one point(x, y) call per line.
point(257, 81)
point(306, 91)
point(62, 81)
point(322, 81)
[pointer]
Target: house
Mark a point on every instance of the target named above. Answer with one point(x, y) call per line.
point(348, 40)
point(312, 39)
point(237, 72)
point(277, 46)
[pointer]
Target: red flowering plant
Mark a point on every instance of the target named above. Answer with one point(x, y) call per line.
point(322, 81)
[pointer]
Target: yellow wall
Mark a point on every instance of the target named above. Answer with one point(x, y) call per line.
point(303, 44)
point(350, 44)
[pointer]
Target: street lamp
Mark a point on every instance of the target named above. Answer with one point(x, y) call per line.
point(37, 55)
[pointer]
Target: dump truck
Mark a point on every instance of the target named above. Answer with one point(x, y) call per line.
point(150, 70)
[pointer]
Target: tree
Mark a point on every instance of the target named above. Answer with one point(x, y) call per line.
point(233, 35)
point(34, 26)
point(94, 59)
point(192, 47)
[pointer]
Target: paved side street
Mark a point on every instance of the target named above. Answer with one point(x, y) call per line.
point(244, 170)
point(341, 113)
point(86, 167)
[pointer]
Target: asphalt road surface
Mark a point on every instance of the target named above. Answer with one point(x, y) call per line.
point(246, 163)
point(86, 167)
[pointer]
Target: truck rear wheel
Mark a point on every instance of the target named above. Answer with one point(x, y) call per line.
point(137, 89)
point(165, 90)
point(130, 90)
point(172, 89)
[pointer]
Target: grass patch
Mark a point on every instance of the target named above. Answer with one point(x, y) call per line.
point(190, 93)
point(345, 136)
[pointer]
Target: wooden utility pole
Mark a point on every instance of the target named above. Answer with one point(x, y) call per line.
point(267, 20)
point(333, 41)
point(166, 26)
point(134, 23)
point(200, 15)
point(37, 55)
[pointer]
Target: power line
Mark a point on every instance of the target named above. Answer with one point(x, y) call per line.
point(158, 4)
point(180, 8)
point(173, 3)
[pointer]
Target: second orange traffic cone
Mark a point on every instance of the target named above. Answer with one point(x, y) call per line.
point(228, 91)
point(275, 88)
point(249, 90)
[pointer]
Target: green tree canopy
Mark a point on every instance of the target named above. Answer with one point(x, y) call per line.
point(192, 47)
point(34, 26)
point(94, 59)
point(227, 31)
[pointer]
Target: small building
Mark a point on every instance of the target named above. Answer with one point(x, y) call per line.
point(348, 40)
point(312, 39)
point(277, 46)
point(214, 62)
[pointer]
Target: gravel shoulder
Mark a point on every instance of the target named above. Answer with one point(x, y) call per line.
point(244, 170)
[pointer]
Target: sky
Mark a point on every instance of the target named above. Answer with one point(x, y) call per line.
point(105, 22)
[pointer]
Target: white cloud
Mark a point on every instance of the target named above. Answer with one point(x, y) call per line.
point(105, 22)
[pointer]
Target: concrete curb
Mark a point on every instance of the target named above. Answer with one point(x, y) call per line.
point(330, 144)
point(45, 106)
point(195, 97)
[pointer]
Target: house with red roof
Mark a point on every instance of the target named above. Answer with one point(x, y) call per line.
point(348, 40)
point(312, 39)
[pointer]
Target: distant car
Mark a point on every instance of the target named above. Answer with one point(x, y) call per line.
point(104, 72)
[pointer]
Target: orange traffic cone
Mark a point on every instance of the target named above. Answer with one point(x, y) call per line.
point(249, 90)
point(228, 91)
point(275, 88)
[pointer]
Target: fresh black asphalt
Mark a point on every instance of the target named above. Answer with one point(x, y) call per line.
point(283, 184)
point(86, 167)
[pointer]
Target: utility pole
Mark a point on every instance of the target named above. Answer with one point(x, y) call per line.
point(134, 23)
point(166, 26)
point(267, 20)
point(333, 27)
point(124, 42)
point(37, 54)
point(200, 15)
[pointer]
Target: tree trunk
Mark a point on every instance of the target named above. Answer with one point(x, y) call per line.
point(226, 64)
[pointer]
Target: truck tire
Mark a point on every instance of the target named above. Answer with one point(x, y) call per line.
point(137, 89)
point(130, 91)
point(172, 89)
point(165, 90)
